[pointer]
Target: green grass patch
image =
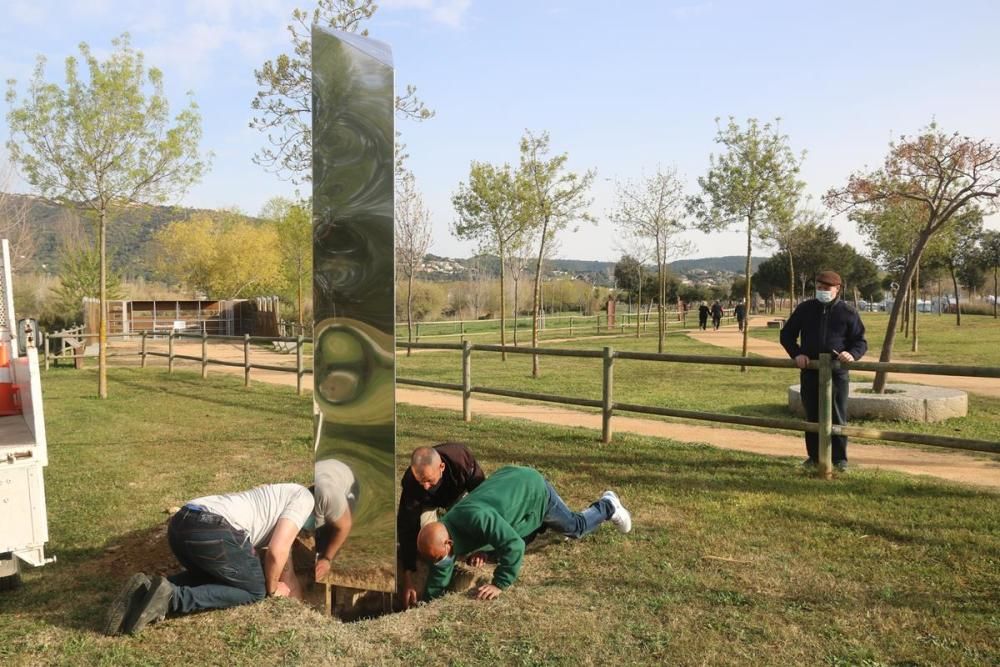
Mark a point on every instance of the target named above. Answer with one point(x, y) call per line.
point(734, 558)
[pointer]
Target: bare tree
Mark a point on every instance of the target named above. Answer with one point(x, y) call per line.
point(654, 209)
point(15, 218)
point(413, 239)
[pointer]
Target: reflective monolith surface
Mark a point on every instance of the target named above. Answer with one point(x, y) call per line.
point(353, 296)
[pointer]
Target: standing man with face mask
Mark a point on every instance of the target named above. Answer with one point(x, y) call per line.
point(825, 324)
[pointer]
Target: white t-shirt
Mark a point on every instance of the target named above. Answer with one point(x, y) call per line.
point(335, 490)
point(258, 510)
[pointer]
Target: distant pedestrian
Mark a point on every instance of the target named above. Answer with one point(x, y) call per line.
point(716, 315)
point(741, 314)
point(703, 312)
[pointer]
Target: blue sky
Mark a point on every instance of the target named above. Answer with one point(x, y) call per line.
point(619, 92)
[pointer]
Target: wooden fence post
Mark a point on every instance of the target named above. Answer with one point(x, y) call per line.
point(246, 360)
point(299, 368)
point(461, 328)
point(142, 350)
point(825, 416)
point(45, 349)
point(170, 351)
point(466, 381)
point(570, 326)
point(597, 322)
point(204, 354)
point(607, 388)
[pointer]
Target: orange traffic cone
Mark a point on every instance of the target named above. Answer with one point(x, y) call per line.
point(10, 397)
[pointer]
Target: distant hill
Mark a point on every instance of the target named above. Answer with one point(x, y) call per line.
point(129, 232)
point(729, 263)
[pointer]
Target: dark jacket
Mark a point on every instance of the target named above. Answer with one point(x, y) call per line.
point(703, 312)
point(461, 475)
point(498, 516)
point(716, 310)
point(816, 327)
point(740, 311)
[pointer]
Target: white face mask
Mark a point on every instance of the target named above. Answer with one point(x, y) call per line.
point(446, 561)
point(824, 296)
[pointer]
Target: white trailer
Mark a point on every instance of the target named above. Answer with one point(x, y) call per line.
point(23, 453)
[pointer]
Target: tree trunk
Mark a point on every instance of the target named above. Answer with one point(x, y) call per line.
point(302, 329)
point(916, 307)
point(517, 281)
point(791, 287)
point(409, 311)
point(878, 386)
point(746, 291)
point(503, 309)
point(638, 308)
point(661, 288)
point(537, 298)
point(940, 307)
point(102, 326)
point(958, 298)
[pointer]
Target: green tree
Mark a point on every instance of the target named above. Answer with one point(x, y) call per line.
point(222, 255)
point(79, 270)
point(653, 209)
point(293, 224)
point(754, 182)
point(488, 214)
point(104, 142)
point(282, 106)
point(551, 198)
point(942, 175)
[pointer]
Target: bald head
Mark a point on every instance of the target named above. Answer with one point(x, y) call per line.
point(426, 466)
point(433, 541)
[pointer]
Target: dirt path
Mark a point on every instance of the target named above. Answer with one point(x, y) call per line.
point(731, 338)
point(951, 466)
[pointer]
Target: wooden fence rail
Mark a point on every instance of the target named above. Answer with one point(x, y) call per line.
point(825, 365)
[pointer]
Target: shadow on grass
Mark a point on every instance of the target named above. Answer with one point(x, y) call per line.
point(75, 592)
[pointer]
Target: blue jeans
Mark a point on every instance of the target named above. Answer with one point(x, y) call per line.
point(575, 524)
point(221, 568)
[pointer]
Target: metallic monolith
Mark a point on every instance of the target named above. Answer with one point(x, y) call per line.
point(353, 293)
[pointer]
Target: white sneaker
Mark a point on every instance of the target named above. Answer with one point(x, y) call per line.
point(621, 518)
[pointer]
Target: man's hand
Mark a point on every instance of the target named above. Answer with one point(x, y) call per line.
point(802, 361)
point(322, 568)
point(845, 356)
point(281, 590)
point(476, 559)
point(487, 592)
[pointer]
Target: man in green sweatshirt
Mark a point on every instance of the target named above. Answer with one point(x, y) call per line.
point(514, 503)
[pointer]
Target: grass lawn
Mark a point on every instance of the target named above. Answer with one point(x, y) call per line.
point(760, 392)
point(975, 343)
point(734, 558)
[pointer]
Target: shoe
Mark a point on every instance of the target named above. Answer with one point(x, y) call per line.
point(622, 518)
point(809, 464)
point(153, 608)
point(129, 596)
point(840, 466)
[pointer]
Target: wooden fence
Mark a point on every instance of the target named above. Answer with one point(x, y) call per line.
point(608, 406)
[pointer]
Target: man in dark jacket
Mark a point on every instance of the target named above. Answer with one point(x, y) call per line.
point(716, 315)
point(437, 477)
point(740, 311)
point(824, 324)
point(504, 512)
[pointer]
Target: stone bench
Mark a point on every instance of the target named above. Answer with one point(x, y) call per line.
point(902, 402)
point(775, 324)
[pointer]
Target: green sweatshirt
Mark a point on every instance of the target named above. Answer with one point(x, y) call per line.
point(497, 515)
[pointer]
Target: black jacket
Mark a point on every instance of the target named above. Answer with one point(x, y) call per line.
point(461, 475)
point(816, 327)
